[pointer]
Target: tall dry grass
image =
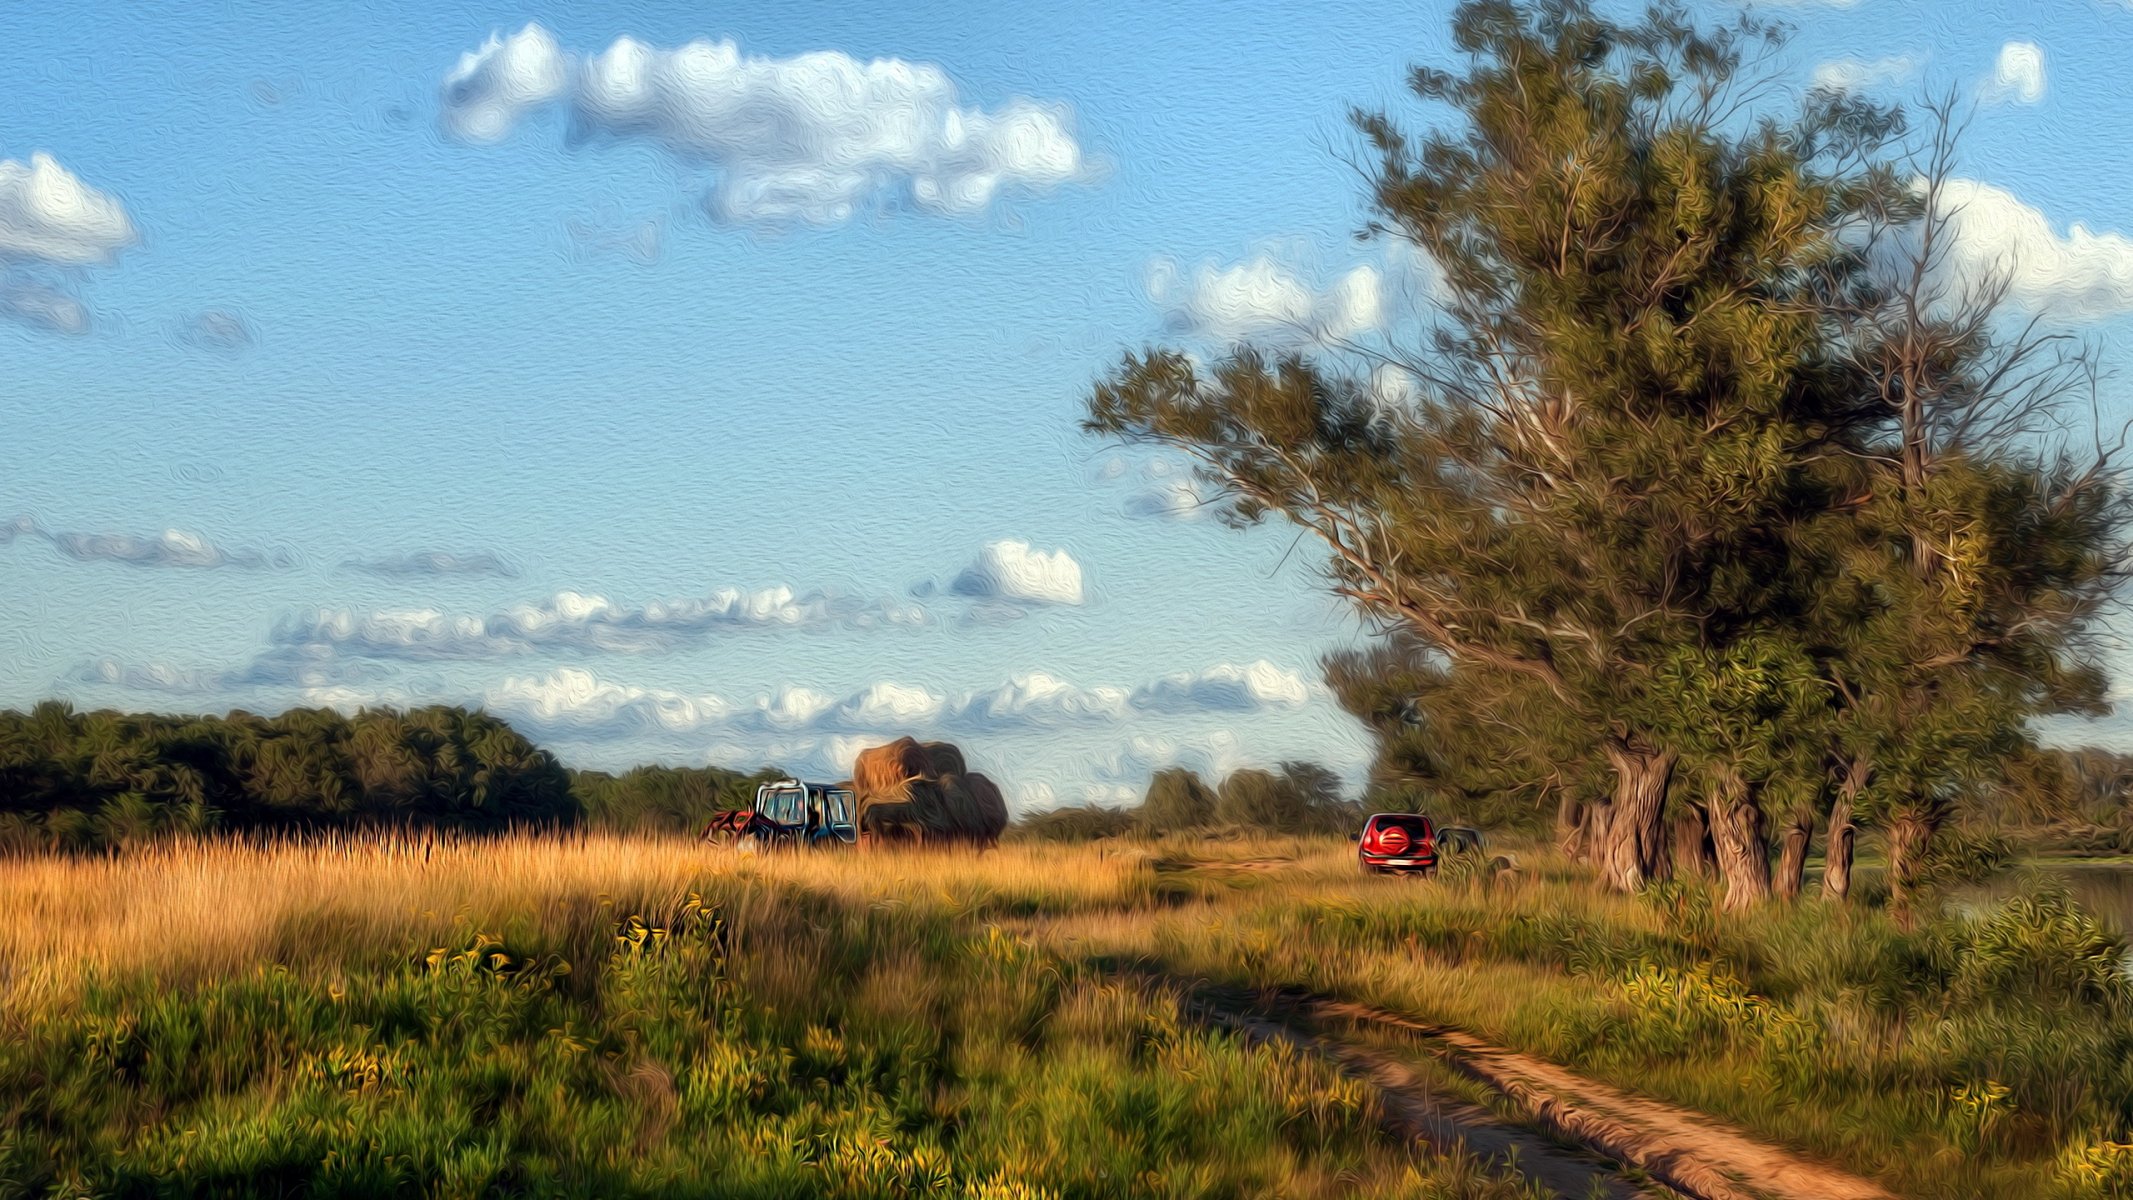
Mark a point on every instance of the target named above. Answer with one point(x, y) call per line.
point(191, 910)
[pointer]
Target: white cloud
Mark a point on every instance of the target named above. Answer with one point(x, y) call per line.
point(1225, 688)
point(1040, 699)
point(575, 701)
point(495, 87)
point(1857, 75)
point(171, 548)
point(1273, 299)
point(49, 217)
point(432, 563)
point(1264, 300)
point(2018, 74)
point(39, 305)
point(814, 139)
point(2082, 274)
point(1013, 571)
point(574, 621)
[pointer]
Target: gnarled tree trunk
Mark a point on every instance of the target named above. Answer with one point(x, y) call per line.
point(1792, 856)
point(1909, 834)
point(1737, 835)
point(1692, 842)
point(1837, 841)
point(1629, 834)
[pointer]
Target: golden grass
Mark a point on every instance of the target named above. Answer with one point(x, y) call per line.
point(191, 910)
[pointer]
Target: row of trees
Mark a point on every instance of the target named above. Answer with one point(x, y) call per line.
point(78, 780)
point(72, 780)
point(1299, 797)
point(1723, 508)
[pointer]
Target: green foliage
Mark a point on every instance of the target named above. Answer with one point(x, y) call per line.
point(1176, 801)
point(808, 1048)
point(79, 781)
point(665, 799)
point(1302, 798)
point(1074, 823)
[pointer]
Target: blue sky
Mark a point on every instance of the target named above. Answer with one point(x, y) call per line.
point(738, 426)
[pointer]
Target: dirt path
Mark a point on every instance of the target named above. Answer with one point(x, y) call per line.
point(1689, 1152)
point(1413, 1109)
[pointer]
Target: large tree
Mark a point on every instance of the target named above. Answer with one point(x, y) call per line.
point(1989, 533)
point(1623, 409)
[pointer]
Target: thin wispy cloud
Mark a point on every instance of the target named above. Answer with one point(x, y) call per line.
point(172, 548)
point(814, 139)
point(433, 563)
point(1858, 75)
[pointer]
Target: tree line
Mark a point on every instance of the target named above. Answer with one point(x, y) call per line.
point(92, 780)
point(1297, 798)
point(1716, 508)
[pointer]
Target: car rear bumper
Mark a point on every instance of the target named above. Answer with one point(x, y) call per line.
point(1399, 862)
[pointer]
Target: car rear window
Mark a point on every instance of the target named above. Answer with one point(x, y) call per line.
point(1413, 827)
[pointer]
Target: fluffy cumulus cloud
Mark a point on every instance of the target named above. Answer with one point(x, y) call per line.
point(1858, 75)
point(433, 563)
point(1017, 573)
point(1225, 688)
point(51, 218)
point(1265, 300)
point(1275, 299)
point(2018, 74)
point(495, 87)
point(576, 622)
point(2078, 274)
point(573, 702)
point(814, 139)
point(170, 548)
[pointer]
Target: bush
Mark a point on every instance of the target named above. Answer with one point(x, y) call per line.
point(1080, 823)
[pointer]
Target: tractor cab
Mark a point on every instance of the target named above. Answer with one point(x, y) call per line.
point(809, 813)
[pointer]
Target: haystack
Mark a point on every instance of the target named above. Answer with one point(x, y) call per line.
point(992, 806)
point(947, 759)
point(886, 768)
point(925, 790)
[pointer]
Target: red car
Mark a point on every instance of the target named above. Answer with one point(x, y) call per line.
point(1397, 842)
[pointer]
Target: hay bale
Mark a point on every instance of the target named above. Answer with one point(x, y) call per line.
point(992, 807)
point(885, 768)
point(946, 757)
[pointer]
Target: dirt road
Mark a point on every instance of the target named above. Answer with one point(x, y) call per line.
point(1575, 1136)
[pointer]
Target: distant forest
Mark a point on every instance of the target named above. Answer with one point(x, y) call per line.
point(85, 781)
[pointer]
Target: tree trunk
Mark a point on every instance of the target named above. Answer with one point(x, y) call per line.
point(1631, 843)
point(1571, 819)
point(1837, 842)
point(1908, 835)
point(1737, 835)
point(1792, 856)
point(1692, 842)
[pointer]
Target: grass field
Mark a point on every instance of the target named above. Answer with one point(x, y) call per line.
point(617, 1017)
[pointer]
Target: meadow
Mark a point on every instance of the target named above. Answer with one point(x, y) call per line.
point(637, 1016)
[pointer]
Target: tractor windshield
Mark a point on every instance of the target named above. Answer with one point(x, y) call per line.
point(786, 806)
